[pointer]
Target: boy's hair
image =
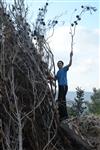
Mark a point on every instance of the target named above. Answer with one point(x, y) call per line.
point(60, 62)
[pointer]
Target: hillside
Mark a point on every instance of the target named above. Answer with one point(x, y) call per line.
point(71, 95)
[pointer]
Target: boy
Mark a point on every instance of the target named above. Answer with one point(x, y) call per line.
point(61, 76)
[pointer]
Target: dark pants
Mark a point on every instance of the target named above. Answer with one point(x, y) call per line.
point(62, 102)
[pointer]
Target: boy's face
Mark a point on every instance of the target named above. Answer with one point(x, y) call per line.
point(60, 64)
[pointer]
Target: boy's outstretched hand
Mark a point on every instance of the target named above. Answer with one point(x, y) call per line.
point(50, 77)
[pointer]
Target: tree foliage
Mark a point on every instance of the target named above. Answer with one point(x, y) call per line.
point(94, 106)
point(78, 105)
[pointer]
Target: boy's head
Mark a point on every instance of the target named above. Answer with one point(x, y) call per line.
point(60, 64)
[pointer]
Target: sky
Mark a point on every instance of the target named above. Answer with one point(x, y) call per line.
point(85, 69)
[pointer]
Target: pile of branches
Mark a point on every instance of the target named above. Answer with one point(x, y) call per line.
point(28, 117)
point(87, 128)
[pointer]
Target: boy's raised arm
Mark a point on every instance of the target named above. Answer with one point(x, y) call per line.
point(70, 61)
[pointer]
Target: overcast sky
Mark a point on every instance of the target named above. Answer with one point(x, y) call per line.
point(85, 70)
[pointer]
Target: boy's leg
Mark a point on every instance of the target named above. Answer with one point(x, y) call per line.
point(65, 92)
point(62, 103)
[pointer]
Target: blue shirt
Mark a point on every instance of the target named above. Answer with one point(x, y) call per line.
point(62, 76)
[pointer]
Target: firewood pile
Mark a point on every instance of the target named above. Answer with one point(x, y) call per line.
point(27, 108)
point(28, 113)
point(88, 128)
